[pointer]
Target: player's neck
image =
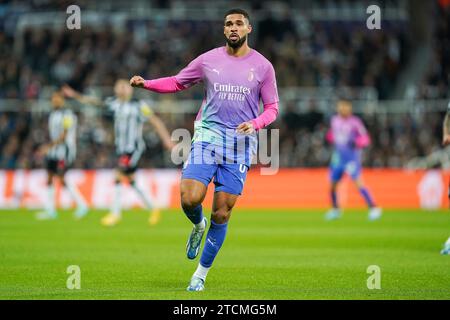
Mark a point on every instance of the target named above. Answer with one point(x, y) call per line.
point(124, 99)
point(238, 52)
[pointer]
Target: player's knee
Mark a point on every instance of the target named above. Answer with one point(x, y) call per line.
point(190, 200)
point(359, 183)
point(221, 215)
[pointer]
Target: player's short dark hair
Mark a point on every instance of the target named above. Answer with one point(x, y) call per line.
point(344, 101)
point(237, 11)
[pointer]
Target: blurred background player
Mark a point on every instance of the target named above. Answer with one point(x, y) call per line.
point(446, 142)
point(60, 154)
point(129, 117)
point(349, 137)
point(236, 78)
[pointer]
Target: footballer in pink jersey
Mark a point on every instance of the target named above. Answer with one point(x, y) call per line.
point(348, 136)
point(236, 79)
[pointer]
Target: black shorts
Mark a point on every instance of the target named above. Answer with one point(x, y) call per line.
point(58, 167)
point(127, 163)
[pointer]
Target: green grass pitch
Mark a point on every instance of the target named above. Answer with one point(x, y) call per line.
point(268, 254)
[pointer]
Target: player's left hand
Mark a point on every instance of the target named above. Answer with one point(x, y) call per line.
point(245, 128)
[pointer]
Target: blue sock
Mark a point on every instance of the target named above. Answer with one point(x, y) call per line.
point(365, 193)
point(214, 240)
point(334, 199)
point(195, 214)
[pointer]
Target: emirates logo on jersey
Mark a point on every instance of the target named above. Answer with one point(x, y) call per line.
point(231, 92)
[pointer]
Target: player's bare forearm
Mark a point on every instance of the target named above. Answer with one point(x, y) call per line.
point(162, 131)
point(71, 93)
point(90, 100)
point(446, 130)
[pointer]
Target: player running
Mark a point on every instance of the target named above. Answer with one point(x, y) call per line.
point(446, 142)
point(60, 154)
point(349, 137)
point(129, 118)
point(236, 78)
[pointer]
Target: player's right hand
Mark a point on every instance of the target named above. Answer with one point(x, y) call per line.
point(137, 81)
point(446, 140)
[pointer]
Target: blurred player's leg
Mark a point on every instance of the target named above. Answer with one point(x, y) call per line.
point(333, 195)
point(50, 211)
point(116, 209)
point(115, 214)
point(82, 208)
point(335, 212)
point(374, 212)
point(336, 173)
point(155, 214)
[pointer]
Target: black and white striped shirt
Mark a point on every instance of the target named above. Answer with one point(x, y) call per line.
point(58, 121)
point(129, 118)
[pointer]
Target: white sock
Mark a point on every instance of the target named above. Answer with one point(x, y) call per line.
point(201, 272)
point(76, 195)
point(50, 206)
point(201, 225)
point(144, 197)
point(116, 210)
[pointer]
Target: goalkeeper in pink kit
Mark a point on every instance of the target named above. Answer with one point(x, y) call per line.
point(348, 136)
point(236, 79)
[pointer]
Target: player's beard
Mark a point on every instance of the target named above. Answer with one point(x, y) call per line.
point(237, 44)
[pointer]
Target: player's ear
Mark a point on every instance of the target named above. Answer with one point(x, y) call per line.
point(249, 28)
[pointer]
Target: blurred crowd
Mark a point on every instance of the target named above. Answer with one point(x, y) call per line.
point(314, 54)
point(436, 82)
point(396, 139)
point(318, 54)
